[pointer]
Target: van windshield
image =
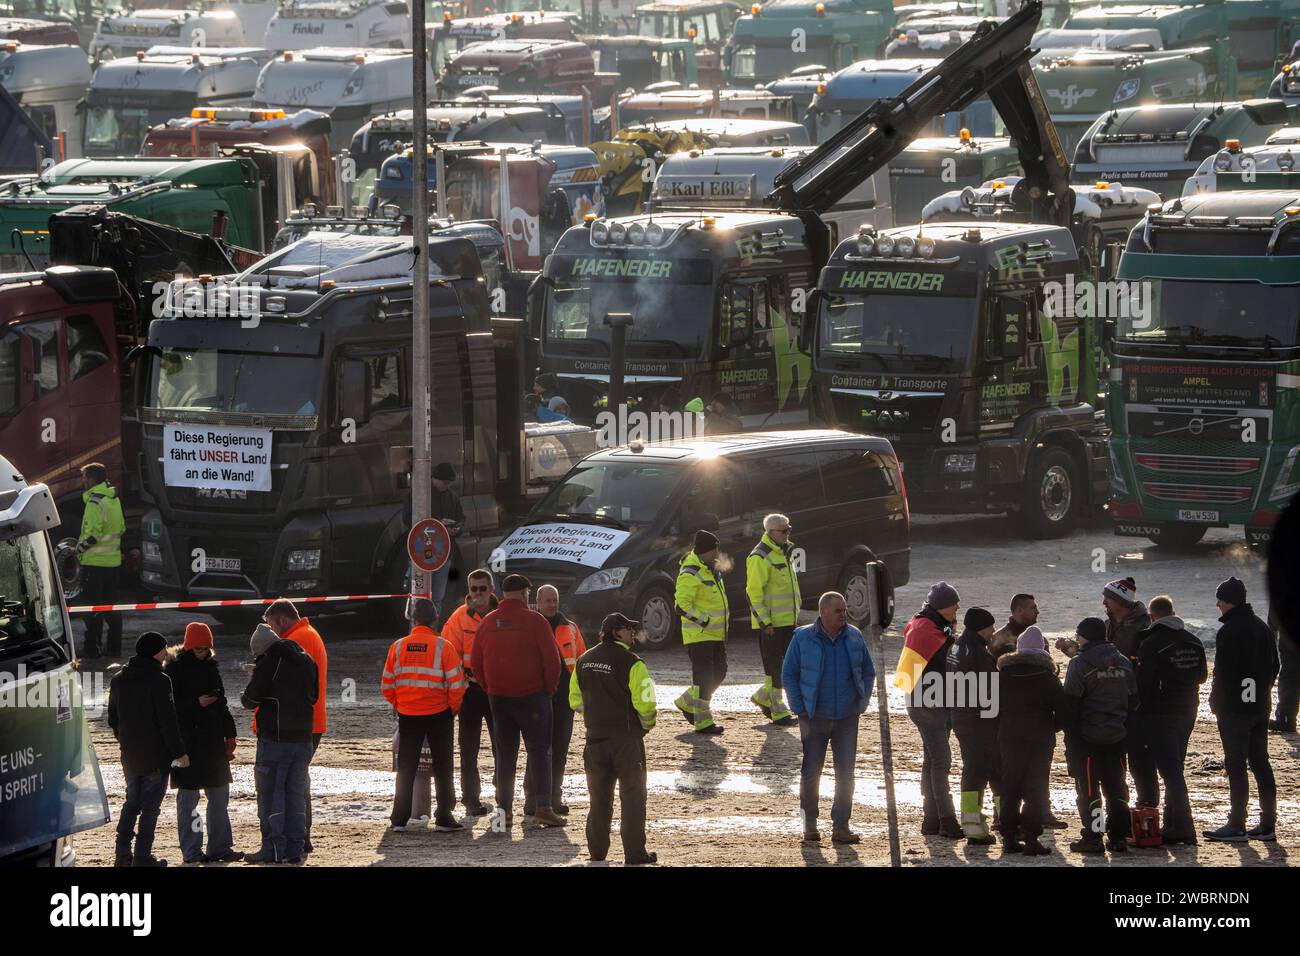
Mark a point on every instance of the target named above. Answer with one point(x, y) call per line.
point(624, 494)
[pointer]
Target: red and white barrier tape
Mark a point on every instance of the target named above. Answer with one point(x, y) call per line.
point(236, 602)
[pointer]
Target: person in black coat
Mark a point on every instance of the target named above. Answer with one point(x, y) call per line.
point(975, 724)
point(142, 716)
point(1030, 711)
point(209, 732)
point(1241, 691)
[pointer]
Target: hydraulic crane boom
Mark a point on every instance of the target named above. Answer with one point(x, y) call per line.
point(995, 62)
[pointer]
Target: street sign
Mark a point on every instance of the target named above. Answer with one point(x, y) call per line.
point(429, 545)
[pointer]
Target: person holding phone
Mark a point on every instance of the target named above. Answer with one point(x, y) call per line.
point(445, 505)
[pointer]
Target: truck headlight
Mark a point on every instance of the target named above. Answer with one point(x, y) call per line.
point(1116, 471)
point(963, 461)
point(1127, 89)
point(151, 551)
point(1223, 161)
point(604, 580)
point(307, 559)
point(1285, 484)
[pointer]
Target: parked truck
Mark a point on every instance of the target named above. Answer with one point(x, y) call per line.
point(835, 33)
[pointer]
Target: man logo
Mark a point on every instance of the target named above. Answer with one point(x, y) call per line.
point(1071, 96)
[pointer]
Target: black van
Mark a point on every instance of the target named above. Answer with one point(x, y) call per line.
point(611, 534)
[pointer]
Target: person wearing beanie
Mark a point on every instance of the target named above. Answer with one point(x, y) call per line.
point(1170, 670)
point(282, 691)
point(446, 506)
point(571, 645)
point(701, 598)
point(772, 587)
point(142, 716)
point(1246, 666)
point(921, 675)
point(1126, 616)
point(1024, 612)
point(517, 662)
point(1100, 694)
point(975, 722)
point(1031, 709)
point(612, 689)
point(208, 729)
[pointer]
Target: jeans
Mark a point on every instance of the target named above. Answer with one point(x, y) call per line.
point(438, 584)
point(934, 724)
point(99, 586)
point(315, 744)
point(609, 761)
point(530, 717)
point(412, 731)
point(190, 828)
point(815, 733)
point(475, 709)
point(281, 774)
point(1245, 744)
point(561, 735)
point(144, 798)
point(1166, 739)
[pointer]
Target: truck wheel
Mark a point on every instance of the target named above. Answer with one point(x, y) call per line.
point(855, 586)
point(1180, 537)
point(1051, 494)
point(660, 626)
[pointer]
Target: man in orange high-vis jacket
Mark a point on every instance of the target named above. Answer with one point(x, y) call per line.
point(569, 640)
point(475, 710)
point(282, 617)
point(424, 681)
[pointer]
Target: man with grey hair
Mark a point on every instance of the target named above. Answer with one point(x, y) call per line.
point(828, 676)
point(772, 586)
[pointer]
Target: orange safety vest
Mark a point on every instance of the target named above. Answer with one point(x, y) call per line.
point(571, 644)
point(460, 630)
point(423, 674)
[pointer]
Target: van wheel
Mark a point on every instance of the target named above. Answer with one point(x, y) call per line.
point(1051, 495)
point(1180, 537)
point(660, 626)
point(855, 585)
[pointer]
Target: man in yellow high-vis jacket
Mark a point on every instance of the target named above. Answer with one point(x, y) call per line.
point(99, 550)
point(772, 586)
point(701, 601)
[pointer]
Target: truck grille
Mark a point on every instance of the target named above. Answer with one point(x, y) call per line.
point(1197, 464)
point(1198, 493)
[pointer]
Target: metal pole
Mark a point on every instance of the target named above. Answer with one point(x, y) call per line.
point(882, 710)
point(421, 427)
point(619, 323)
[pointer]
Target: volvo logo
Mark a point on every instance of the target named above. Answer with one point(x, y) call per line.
point(1196, 426)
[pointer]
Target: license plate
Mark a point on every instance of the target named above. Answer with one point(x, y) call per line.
point(1204, 517)
point(223, 564)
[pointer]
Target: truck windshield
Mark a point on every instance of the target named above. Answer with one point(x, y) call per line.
point(1220, 314)
point(115, 130)
point(621, 493)
point(770, 61)
point(29, 598)
point(911, 192)
point(899, 332)
point(212, 381)
point(669, 320)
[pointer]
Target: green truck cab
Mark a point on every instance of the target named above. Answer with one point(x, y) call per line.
point(932, 166)
point(1258, 31)
point(779, 36)
point(1203, 401)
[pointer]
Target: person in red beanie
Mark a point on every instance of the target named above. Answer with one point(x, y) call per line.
point(209, 733)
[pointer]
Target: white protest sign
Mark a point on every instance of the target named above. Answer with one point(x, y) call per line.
point(588, 545)
point(211, 456)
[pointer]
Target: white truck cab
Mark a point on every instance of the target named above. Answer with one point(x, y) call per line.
point(48, 82)
point(300, 24)
point(134, 31)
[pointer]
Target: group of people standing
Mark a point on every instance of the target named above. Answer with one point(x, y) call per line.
point(1127, 705)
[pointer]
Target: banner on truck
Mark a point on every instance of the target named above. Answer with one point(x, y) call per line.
point(225, 457)
point(584, 544)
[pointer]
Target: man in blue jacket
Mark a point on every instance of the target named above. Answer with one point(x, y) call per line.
point(828, 676)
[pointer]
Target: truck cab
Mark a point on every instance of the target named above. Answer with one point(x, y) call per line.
point(349, 84)
point(127, 32)
point(645, 61)
point(1239, 168)
point(706, 23)
point(454, 33)
point(524, 66)
point(48, 82)
point(131, 94)
point(311, 24)
point(47, 32)
point(931, 166)
point(668, 105)
point(931, 37)
point(837, 33)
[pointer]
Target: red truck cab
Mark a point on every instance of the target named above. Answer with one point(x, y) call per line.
point(526, 66)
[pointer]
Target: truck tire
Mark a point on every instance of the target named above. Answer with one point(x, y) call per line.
point(854, 585)
point(657, 612)
point(1180, 537)
point(1052, 494)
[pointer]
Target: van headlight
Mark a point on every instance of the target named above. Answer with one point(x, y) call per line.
point(1127, 89)
point(605, 579)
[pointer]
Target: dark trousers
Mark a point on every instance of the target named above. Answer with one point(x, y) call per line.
point(280, 772)
point(412, 732)
point(708, 665)
point(981, 758)
point(1166, 737)
point(772, 650)
point(815, 734)
point(529, 717)
point(1099, 772)
point(609, 761)
point(99, 586)
point(561, 735)
point(474, 711)
point(1026, 767)
point(934, 725)
point(315, 745)
point(1245, 744)
point(1142, 763)
point(1288, 682)
point(144, 798)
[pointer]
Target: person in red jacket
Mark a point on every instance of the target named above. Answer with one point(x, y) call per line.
point(282, 617)
point(424, 681)
point(516, 660)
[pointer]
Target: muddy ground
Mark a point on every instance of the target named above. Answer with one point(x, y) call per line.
point(732, 799)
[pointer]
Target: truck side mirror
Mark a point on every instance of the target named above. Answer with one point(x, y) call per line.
point(1011, 327)
point(536, 296)
point(354, 391)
